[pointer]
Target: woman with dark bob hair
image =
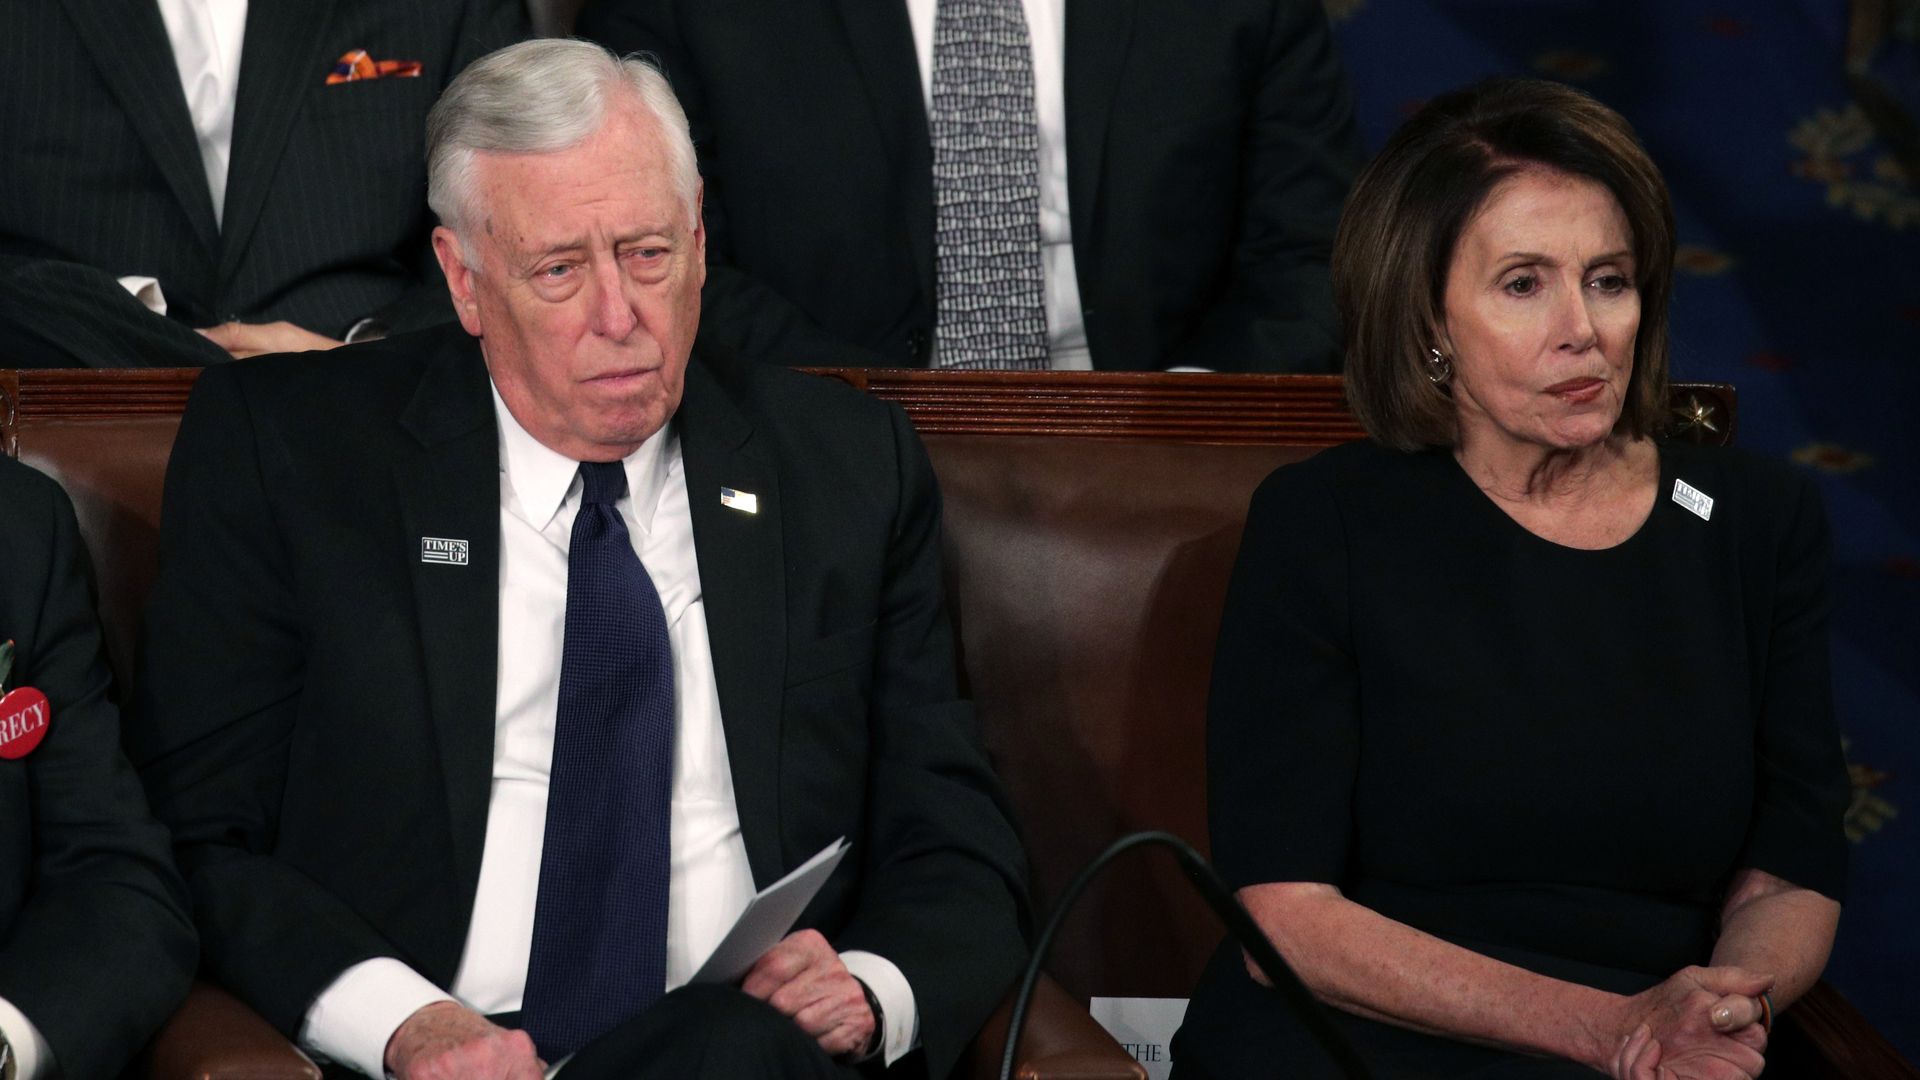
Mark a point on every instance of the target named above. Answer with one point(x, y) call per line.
point(1520, 746)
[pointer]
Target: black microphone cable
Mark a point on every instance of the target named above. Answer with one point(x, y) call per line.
point(1239, 923)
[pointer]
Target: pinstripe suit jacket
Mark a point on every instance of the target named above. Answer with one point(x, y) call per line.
point(325, 221)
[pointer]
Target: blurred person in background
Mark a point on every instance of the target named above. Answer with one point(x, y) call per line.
point(193, 180)
point(1024, 184)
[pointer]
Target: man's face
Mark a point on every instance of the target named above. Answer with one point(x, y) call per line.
point(588, 289)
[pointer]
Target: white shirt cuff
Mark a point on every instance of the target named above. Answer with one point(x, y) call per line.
point(890, 988)
point(30, 1049)
point(147, 291)
point(351, 1022)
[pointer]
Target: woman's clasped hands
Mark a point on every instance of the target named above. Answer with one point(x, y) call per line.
point(1703, 1023)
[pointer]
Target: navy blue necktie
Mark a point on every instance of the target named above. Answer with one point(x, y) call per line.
point(600, 923)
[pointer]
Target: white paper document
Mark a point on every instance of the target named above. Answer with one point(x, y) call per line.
point(768, 917)
point(1143, 1027)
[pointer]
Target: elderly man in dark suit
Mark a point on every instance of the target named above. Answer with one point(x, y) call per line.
point(95, 945)
point(251, 171)
point(1117, 184)
point(491, 669)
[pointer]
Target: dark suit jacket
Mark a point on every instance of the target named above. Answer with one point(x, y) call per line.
point(88, 893)
point(1209, 147)
point(325, 220)
point(319, 704)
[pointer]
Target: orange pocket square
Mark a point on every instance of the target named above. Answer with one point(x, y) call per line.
point(357, 65)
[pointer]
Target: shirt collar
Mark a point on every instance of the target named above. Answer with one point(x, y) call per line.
point(542, 479)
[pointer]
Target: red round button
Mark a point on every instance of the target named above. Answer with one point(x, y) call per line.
point(23, 722)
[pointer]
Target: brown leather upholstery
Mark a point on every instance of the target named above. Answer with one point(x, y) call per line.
point(106, 439)
point(1067, 1046)
point(1092, 520)
point(1087, 579)
point(109, 467)
point(1824, 1037)
point(250, 1049)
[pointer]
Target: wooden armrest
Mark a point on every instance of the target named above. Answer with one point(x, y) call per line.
point(1823, 1036)
point(214, 1037)
point(1060, 1042)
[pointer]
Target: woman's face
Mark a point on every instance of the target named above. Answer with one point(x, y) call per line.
point(1541, 312)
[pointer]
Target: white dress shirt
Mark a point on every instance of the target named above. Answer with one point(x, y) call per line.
point(31, 1054)
point(353, 1019)
point(206, 36)
point(1047, 34)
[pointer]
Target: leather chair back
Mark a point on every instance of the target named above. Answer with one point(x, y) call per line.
point(1087, 579)
point(105, 436)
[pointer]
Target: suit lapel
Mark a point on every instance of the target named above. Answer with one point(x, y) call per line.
point(278, 70)
point(879, 39)
point(134, 56)
point(743, 583)
point(1098, 33)
point(450, 489)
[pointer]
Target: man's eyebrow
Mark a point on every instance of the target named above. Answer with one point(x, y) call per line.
point(581, 243)
point(663, 231)
point(557, 247)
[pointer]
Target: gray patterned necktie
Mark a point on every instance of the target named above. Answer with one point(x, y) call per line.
point(990, 310)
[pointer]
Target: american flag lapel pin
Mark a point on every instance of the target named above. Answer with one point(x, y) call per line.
point(744, 501)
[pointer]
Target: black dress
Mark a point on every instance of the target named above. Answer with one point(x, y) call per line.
point(1552, 756)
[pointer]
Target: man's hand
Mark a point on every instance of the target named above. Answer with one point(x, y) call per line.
point(804, 979)
point(254, 339)
point(1672, 1031)
point(448, 1041)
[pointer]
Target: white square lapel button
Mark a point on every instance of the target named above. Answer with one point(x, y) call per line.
point(1693, 499)
point(744, 501)
point(443, 551)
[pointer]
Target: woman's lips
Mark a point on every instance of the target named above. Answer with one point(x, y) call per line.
point(1578, 391)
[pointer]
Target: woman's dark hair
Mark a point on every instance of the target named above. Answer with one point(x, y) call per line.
point(1409, 207)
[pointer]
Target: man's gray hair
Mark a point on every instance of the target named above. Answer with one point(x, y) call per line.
point(540, 97)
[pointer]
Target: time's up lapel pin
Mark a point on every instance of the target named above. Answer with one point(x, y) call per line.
point(443, 550)
point(1693, 499)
